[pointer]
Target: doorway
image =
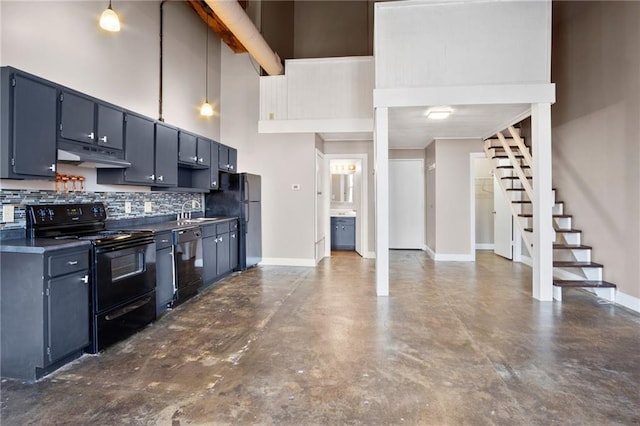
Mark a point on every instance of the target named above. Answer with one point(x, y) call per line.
point(406, 204)
point(346, 176)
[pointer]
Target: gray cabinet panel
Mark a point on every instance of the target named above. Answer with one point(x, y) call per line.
point(68, 314)
point(209, 262)
point(77, 115)
point(223, 258)
point(34, 128)
point(233, 160)
point(233, 250)
point(204, 152)
point(343, 233)
point(164, 279)
point(110, 127)
point(166, 149)
point(187, 148)
point(139, 142)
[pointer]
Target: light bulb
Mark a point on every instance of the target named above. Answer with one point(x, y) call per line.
point(109, 20)
point(206, 109)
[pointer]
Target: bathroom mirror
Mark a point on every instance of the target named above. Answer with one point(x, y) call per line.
point(342, 187)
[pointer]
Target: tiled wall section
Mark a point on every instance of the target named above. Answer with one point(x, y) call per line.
point(163, 203)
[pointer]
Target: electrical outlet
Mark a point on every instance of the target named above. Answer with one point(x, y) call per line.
point(7, 213)
point(127, 206)
point(148, 208)
point(194, 204)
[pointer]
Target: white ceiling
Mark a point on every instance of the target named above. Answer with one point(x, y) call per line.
point(409, 127)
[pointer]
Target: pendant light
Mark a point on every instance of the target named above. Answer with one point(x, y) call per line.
point(109, 20)
point(206, 110)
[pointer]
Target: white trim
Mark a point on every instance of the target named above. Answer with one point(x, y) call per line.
point(445, 257)
point(484, 246)
point(628, 301)
point(472, 202)
point(527, 260)
point(333, 125)
point(430, 253)
point(284, 261)
point(369, 255)
point(465, 95)
point(381, 170)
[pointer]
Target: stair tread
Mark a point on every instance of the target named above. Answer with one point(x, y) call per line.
point(560, 231)
point(571, 247)
point(515, 177)
point(568, 264)
point(515, 189)
point(583, 283)
point(524, 166)
point(507, 156)
point(521, 201)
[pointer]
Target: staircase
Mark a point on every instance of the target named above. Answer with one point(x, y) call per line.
point(572, 265)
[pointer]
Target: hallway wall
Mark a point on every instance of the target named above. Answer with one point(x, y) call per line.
point(596, 150)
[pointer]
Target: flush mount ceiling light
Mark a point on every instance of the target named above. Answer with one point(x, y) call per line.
point(439, 113)
point(206, 110)
point(109, 20)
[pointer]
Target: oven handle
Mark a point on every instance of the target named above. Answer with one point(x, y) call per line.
point(124, 246)
point(127, 309)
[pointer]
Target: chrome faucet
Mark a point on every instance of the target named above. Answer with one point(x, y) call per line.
point(187, 215)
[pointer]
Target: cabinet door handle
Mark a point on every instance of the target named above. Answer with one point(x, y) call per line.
point(231, 166)
point(85, 279)
point(161, 178)
point(151, 177)
point(91, 136)
point(214, 183)
point(194, 158)
point(103, 139)
point(52, 167)
point(220, 239)
point(164, 241)
point(343, 227)
point(72, 262)
point(200, 160)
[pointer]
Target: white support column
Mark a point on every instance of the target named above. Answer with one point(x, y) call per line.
point(381, 160)
point(543, 234)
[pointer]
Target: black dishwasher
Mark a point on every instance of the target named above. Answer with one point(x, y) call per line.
point(188, 258)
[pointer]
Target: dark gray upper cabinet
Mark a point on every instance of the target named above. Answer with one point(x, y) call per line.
point(166, 155)
point(77, 116)
point(28, 127)
point(208, 178)
point(86, 121)
point(204, 152)
point(110, 127)
point(139, 145)
point(187, 148)
point(227, 158)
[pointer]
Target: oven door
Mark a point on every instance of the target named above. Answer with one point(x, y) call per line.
point(122, 273)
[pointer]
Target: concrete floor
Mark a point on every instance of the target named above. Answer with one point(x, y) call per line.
point(455, 343)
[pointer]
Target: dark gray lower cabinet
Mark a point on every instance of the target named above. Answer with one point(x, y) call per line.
point(219, 250)
point(44, 311)
point(343, 233)
point(165, 272)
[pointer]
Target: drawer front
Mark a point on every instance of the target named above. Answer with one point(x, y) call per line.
point(208, 230)
point(67, 263)
point(343, 220)
point(164, 240)
point(223, 227)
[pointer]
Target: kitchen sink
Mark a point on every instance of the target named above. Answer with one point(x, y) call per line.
point(199, 220)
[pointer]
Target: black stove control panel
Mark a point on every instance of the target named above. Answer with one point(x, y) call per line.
point(65, 214)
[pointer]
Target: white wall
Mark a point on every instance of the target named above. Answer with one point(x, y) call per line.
point(430, 195)
point(453, 196)
point(122, 68)
point(596, 150)
point(281, 159)
point(501, 41)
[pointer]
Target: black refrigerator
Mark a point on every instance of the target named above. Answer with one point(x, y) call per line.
point(239, 195)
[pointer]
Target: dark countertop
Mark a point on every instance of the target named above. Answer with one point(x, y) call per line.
point(39, 245)
point(173, 224)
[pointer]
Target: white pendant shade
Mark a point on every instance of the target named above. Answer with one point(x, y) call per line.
point(206, 109)
point(109, 20)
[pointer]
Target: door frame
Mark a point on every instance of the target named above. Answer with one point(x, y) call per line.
point(363, 211)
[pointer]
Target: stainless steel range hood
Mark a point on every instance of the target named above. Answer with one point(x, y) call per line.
point(92, 160)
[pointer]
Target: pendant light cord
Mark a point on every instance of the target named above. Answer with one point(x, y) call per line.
point(206, 65)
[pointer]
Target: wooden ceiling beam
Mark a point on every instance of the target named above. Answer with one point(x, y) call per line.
point(206, 14)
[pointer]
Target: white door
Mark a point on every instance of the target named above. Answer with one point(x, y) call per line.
point(502, 223)
point(406, 204)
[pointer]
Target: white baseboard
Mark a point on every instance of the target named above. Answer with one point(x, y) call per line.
point(283, 261)
point(444, 257)
point(627, 301)
point(369, 255)
point(430, 252)
point(484, 246)
point(527, 260)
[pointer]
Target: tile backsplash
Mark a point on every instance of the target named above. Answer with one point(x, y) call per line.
point(162, 203)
